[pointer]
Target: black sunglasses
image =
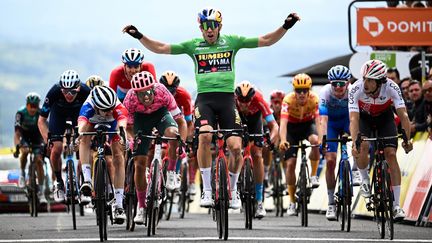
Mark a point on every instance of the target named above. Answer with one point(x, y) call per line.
point(338, 83)
point(148, 92)
point(302, 91)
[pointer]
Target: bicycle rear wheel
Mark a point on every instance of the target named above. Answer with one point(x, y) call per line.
point(387, 202)
point(71, 192)
point(303, 197)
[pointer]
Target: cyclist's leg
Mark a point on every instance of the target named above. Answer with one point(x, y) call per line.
point(56, 126)
point(332, 132)
point(168, 127)
point(205, 119)
point(24, 151)
point(294, 134)
point(365, 124)
point(312, 137)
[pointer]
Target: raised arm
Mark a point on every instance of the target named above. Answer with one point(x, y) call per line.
point(150, 44)
point(273, 37)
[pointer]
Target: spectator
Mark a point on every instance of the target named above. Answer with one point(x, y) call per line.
point(418, 121)
point(404, 85)
point(427, 96)
point(393, 74)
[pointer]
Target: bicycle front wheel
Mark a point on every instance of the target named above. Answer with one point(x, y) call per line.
point(71, 192)
point(183, 190)
point(346, 198)
point(223, 199)
point(100, 199)
point(248, 194)
point(303, 195)
point(32, 191)
point(131, 199)
point(387, 202)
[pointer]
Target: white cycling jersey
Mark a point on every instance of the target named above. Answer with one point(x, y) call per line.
point(359, 101)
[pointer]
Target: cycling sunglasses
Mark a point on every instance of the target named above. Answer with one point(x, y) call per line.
point(302, 91)
point(338, 83)
point(148, 92)
point(132, 65)
point(34, 106)
point(211, 24)
point(70, 91)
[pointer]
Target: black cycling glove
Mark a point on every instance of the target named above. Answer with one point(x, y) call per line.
point(290, 21)
point(133, 31)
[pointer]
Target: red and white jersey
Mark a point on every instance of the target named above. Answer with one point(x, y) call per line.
point(257, 104)
point(184, 102)
point(359, 101)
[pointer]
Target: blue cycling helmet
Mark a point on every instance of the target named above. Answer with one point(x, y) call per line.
point(339, 72)
point(133, 57)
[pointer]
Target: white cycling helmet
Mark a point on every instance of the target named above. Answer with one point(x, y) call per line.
point(209, 13)
point(69, 80)
point(133, 56)
point(374, 69)
point(103, 97)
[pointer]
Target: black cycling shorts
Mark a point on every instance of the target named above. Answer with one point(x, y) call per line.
point(34, 139)
point(297, 132)
point(384, 123)
point(254, 124)
point(57, 122)
point(217, 108)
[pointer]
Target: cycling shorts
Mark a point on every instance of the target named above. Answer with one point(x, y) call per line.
point(384, 123)
point(254, 124)
point(334, 129)
point(33, 138)
point(57, 123)
point(297, 132)
point(160, 119)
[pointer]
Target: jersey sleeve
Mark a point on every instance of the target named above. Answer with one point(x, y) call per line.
point(86, 112)
point(130, 106)
point(323, 99)
point(284, 109)
point(113, 79)
point(181, 48)
point(396, 95)
point(353, 97)
point(170, 103)
point(18, 120)
point(49, 101)
point(264, 107)
point(187, 106)
point(120, 112)
point(244, 42)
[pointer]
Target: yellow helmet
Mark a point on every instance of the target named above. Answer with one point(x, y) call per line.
point(302, 81)
point(93, 81)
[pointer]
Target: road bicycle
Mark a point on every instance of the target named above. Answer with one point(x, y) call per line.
point(221, 191)
point(343, 196)
point(381, 200)
point(303, 188)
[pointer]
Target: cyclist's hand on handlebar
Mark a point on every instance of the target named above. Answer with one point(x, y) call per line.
point(407, 146)
point(77, 142)
point(284, 145)
point(132, 31)
point(355, 153)
point(17, 152)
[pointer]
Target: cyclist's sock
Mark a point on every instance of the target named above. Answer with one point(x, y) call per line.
point(396, 193)
point(330, 194)
point(23, 173)
point(233, 180)
point(118, 192)
point(141, 198)
point(178, 164)
point(266, 172)
point(171, 164)
point(364, 174)
point(291, 192)
point(314, 165)
point(206, 177)
point(59, 178)
point(192, 173)
point(258, 192)
point(86, 169)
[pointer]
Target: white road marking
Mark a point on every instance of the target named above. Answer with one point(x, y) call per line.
point(214, 238)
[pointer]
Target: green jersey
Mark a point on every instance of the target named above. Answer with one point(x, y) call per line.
point(214, 64)
point(25, 121)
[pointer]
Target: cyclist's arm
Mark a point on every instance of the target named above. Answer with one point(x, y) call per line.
point(18, 128)
point(181, 122)
point(43, 127)
point(130, 131)
point(17, 137)
point(283, 129)
point(354, 125)
point(155, 46)
point(274, 128)
point(405, 122)
point(113, 80)
point(322, 126)
point(271, 38)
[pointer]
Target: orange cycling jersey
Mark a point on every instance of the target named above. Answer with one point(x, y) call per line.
point(297, 113)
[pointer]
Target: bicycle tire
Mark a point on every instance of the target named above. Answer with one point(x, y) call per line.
point(223, 184)
point(33, 190)
point(71, 191)
point(346, 198)
point(152, 198)
point(303, 195)
point(248, 191)
point(169, 204)
point(130, 199)
point(183, 191)
point(280, 190)
point(81, 207)
point(387, 196)
point(100, 199)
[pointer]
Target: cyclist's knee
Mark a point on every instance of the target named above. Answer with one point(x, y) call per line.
point(56, 150)
point(313, 139)
point(171, 131)
point(291, 164)
point(390, 153)
point(205, 139)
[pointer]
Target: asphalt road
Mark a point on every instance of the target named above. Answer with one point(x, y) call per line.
point(53, 227)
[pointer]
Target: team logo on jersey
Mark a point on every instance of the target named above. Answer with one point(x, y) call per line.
point(197, 113)
point(214, 62)
point(284, 108)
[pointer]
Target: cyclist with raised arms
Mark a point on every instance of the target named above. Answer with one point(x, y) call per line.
point(150, 105)
point(213, 56)
point(299, 117)
point(102, 106)
point(26, 133)
point(253, 108)
point(370, 103)
point(334, 121)
point(184, 101)
point(133, 62)
point(63, 102)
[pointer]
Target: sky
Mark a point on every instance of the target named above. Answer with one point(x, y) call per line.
point(321, 33)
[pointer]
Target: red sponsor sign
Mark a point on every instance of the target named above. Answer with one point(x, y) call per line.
point(394, 26)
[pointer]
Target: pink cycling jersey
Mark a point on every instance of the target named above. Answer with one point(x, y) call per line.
point(162, 98)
